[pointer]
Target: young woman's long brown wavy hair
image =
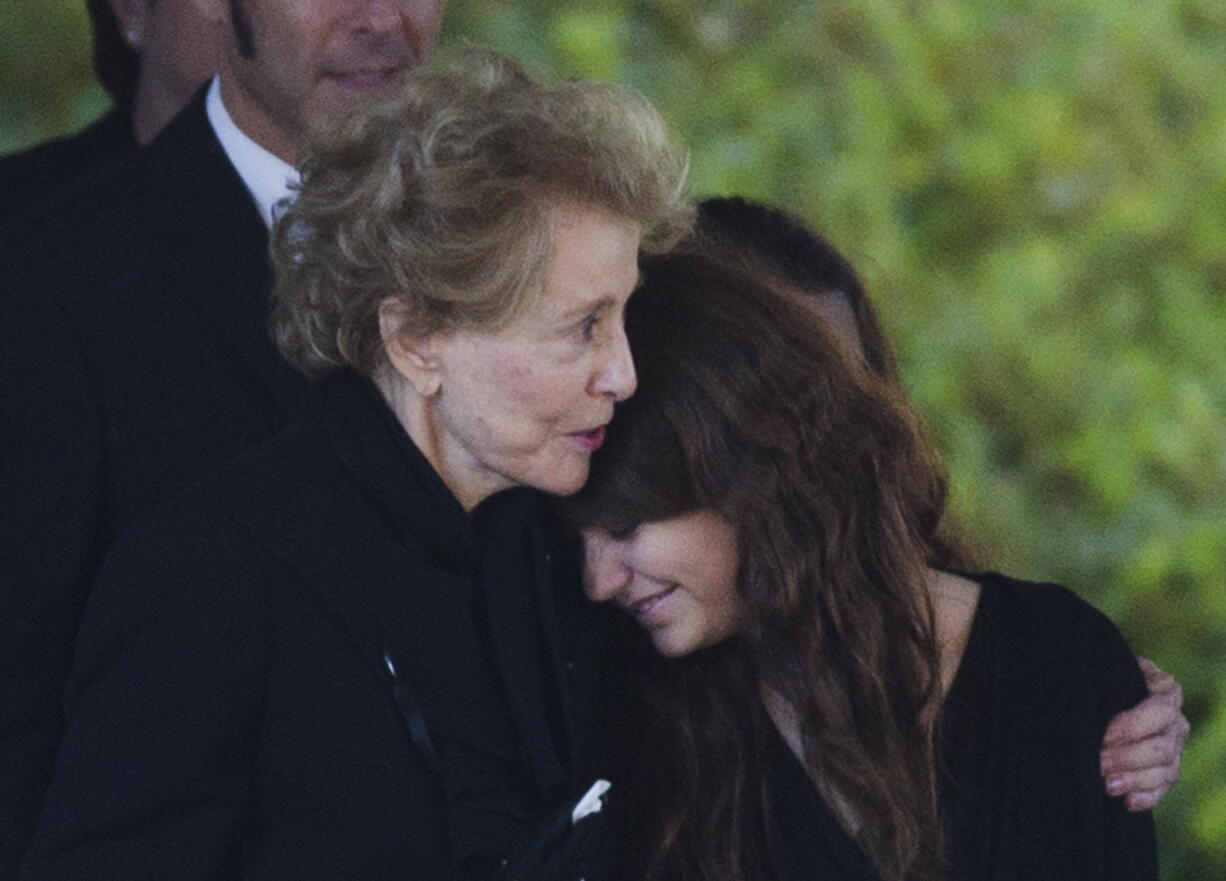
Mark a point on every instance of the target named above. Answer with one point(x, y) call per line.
point(746, 406)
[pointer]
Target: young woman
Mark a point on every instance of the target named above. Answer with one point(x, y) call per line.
point(768, 510)
point(1143, 747)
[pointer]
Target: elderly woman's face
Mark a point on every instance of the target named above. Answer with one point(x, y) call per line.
point(526, 405)
point(677, 577)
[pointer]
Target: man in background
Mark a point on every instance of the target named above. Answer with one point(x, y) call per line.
point(150, 56)
point(135, 356)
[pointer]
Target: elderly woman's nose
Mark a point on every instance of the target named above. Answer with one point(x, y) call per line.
point(616, 377)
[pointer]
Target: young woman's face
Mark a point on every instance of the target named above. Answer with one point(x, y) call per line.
point(677, 577)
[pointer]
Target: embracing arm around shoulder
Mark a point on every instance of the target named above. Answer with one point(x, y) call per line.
point(1143, 747)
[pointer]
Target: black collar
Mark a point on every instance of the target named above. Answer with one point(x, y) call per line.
point(396, 479)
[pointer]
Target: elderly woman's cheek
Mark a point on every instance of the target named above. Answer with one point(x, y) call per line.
point(544, 390)
point(548, 421)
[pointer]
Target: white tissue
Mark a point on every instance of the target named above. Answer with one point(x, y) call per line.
point(590, 803)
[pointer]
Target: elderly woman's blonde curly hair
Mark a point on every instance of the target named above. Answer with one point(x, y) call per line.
point(441, 198)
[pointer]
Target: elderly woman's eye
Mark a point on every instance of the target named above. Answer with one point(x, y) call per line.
point(588, 328)
point(622, 533)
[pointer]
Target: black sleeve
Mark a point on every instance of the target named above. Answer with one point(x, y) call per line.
point(153, 779)
point(52, 480)
point(1110, 681)
point(1042, 676)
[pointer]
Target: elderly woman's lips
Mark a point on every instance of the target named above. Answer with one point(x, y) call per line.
point(590, 440)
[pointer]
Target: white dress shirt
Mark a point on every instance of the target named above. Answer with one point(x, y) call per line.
point(268, 178)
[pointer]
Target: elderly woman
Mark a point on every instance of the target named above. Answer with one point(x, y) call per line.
point(354, 653)
point(839, 704)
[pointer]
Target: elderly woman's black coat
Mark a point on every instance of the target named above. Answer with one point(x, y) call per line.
point(316, 665)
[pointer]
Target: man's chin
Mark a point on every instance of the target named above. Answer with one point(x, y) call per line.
point(336, 100)
point(366, 85)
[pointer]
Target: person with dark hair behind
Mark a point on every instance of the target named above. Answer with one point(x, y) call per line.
point(149, 56)
point(772, 241)
point(1143, 747)
point(837, 706)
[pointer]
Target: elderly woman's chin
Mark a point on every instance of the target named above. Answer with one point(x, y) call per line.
point(569, 478)
point(575, 463)
point(562, 473)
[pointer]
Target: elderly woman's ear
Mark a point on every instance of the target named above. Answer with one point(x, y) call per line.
point(413, 356)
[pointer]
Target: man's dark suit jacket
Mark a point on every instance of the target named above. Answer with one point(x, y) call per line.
point(285, 673)
point(35, 175)
point(134, 358)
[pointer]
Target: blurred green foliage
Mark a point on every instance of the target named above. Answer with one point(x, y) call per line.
point(46, 84)
point(1036, 193)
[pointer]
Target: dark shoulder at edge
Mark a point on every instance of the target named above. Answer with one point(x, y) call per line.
point(89, 215)
point(37, 174)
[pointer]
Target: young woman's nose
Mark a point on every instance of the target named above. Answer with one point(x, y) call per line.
point(604, 574)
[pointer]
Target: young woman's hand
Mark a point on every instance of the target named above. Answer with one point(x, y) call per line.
point(1143, 747)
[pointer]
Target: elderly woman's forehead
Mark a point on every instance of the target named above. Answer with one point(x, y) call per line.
point(593, 250)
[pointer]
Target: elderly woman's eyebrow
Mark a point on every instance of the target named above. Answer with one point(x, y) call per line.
point(583, 309)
